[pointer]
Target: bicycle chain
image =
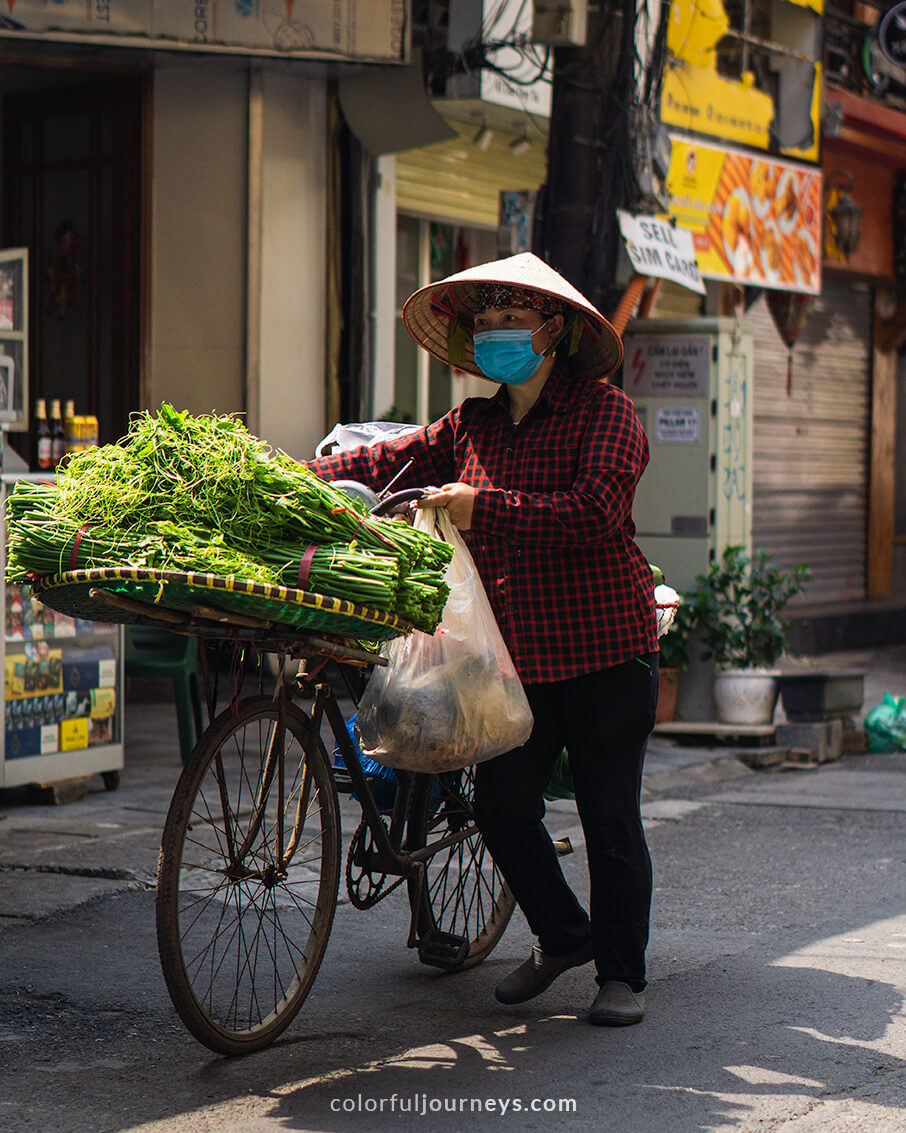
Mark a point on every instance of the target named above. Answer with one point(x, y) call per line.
point(376, 892)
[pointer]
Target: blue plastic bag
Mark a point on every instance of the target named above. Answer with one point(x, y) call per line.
point(383, 779)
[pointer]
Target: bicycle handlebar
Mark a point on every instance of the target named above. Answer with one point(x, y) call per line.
point(407, 495)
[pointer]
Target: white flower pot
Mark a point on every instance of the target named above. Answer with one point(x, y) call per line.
point(746, 696)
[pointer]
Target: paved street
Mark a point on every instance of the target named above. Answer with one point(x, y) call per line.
point(777, 961)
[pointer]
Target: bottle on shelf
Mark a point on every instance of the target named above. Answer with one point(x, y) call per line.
point(69, 426)
point(43, 439)
point(57, 440)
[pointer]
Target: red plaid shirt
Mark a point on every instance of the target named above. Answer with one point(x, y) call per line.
point(552, 531)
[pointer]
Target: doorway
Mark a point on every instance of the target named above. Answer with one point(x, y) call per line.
point(72, 194)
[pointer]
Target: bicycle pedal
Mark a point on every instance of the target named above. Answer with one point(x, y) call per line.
point(443, 949)
point(563, 846)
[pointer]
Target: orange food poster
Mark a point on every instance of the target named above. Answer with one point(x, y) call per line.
point(754, 220)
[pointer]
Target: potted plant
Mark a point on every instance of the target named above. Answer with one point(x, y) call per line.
point(740, 614)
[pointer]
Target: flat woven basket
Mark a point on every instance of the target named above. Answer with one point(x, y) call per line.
point(70, 593)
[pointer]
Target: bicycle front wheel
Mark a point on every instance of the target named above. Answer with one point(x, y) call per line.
point(464, 895)
point(248, 875)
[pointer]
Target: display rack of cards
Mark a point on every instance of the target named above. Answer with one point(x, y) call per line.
point(63, 687)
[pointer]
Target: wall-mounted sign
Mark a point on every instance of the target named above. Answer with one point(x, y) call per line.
point(892, 35)
point(343, 29)
point(697, 97)
point(754, 220)
point(660, 249)
point(676, 426)
point(517, 217)
point(666, 365)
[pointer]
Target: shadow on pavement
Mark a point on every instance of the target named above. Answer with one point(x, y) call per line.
point(757, 1018)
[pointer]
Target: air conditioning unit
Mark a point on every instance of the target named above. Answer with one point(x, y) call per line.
point(500, 30)
point(560, 22)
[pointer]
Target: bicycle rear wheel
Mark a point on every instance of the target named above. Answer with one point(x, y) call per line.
point(464, 895)
point(247, 878)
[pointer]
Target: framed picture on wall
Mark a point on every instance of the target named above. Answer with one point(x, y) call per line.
point(12, 372)
point(12, 305)
point(14, 336)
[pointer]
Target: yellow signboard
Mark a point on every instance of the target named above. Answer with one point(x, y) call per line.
point(754, 220)
point(697, 98)
point(694, 30)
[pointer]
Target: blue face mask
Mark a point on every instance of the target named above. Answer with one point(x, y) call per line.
point(506, 355)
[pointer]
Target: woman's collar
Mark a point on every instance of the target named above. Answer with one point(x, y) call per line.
point(556, 391)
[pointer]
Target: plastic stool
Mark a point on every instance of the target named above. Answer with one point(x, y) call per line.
point(157, 653)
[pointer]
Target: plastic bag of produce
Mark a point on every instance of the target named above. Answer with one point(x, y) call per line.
point(449, 699)
point(885, 725)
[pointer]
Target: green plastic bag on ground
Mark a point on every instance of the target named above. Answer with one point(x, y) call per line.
point(885, 725)
point(560, 784)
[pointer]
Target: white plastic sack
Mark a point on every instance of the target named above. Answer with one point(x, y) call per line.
point(359, 433)
point(667, 603)
point(450, 699)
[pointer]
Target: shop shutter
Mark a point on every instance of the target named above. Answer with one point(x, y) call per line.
point(811, 442)
point(456, 182)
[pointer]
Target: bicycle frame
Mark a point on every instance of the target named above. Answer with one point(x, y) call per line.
point(397, 862)
point(387, 858)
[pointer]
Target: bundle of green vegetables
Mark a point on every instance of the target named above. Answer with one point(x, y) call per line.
point(182, 493)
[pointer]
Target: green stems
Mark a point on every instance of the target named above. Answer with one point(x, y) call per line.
point(181, 492)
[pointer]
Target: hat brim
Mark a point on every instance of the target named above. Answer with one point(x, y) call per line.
point(427, 314)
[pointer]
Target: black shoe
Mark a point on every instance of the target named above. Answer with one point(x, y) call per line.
point(617, 1005)
point(538, 973)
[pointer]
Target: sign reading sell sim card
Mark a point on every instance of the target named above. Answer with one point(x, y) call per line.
point(660, 249)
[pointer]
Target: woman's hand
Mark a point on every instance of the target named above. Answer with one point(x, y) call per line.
point(458, 499)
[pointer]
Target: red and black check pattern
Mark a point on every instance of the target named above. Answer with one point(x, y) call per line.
point(552, 532)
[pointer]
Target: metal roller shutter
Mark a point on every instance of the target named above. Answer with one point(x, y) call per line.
point(811, 443)
point(455, 181)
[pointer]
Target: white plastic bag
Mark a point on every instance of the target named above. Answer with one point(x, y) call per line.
point(343, 438)
point(446, 700)
point(666, 602)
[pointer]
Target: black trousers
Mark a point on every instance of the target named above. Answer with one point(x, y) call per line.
point(603, 719)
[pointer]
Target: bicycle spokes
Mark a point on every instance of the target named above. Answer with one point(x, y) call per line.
point(248, 878)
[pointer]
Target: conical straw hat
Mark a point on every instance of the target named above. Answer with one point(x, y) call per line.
point(427, 313)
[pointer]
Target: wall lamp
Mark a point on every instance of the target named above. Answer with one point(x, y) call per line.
point(519, 146)
point(844, 214)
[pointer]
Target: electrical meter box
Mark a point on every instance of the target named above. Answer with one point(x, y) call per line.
point(691, 383)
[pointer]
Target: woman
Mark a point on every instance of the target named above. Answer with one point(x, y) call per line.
point(541, 477)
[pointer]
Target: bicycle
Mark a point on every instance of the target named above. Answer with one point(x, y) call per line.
point(249, 865)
